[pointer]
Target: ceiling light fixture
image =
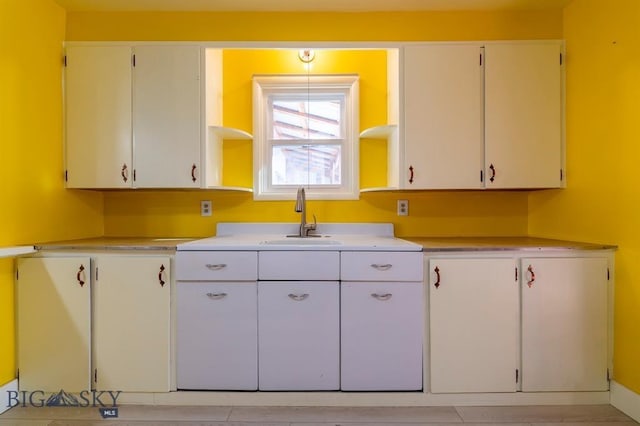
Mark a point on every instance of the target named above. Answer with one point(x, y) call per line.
point(306, 55)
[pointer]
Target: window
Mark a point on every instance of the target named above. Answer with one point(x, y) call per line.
point(305, 134)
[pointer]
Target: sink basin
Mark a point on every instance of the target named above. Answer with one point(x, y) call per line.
point(302, 242)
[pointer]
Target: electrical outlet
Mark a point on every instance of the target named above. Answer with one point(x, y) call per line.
point(403, 207)
point(205, 208)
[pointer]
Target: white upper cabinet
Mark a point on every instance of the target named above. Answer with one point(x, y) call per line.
point(443, 146)
point(523, 115)
point(133, 116)
point(482, 117)
point(98, 117)
point(166, 116)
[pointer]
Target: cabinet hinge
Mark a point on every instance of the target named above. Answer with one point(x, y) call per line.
point(95, 376)
point(96, 273)
point(134, 175)
point(66, 175)
point(133, 60)
point(64, 60)
point(481, 176)
point(480, 59)
point(608, 376)
point(608, 274)
point(17, 274)
point(560, 58)
point(516, 273)
point(561, 175)
point(18, 374)
point(517, 375)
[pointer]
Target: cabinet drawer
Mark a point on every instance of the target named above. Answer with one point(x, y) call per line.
point(216, 266)
point(381, 266)
point(299, 265)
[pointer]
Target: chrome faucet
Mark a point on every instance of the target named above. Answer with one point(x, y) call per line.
point(301, 207)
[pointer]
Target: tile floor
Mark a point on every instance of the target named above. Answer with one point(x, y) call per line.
point(567, 415)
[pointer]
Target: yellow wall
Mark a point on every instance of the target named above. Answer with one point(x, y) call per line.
point(602, 201)
point(434, 213)
point(34, 205)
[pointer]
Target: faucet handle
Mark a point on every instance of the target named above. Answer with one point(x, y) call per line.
point(315, 224)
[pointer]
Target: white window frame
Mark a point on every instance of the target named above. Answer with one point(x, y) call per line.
point(265, 86)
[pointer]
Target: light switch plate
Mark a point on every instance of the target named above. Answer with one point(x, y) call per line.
point(205, 208)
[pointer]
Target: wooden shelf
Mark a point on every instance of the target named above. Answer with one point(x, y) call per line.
point(16, 251)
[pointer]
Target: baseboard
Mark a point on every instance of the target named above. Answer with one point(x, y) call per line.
point(625, 400)
point(4, 394)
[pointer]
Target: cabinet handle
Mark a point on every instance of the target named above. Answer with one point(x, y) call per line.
point(160, 275)
point(216, 266)
point(193, 172)
point(410, 174)
point(80, 276)
point(437, 271)
point(216, 296)
point(493, 172)
point(383, 267)
point(298, 297)
point(533, 276)
point(381, 297)
point(124, 172)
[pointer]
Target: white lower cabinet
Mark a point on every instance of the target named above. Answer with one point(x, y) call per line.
point(299, 335)
point(564, 324)
point(217, 335)
point(132, 329)
point(382, 327)
point(474, 324)
point(54, 323)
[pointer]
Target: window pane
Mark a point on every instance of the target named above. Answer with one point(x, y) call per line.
point(306, 164)
point(304, 119)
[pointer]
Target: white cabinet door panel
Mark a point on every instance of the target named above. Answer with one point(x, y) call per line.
point(474, 322)
point(299, 335)
point(523, 115)
point(443, 116)
point(54, 324)
point(98, 117)
point(564, 324)
point(132, 323)
point(217, 335)
point(382, 328)
point(166, 116)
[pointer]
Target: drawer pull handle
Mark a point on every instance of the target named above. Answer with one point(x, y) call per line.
point(437, 283)
point(533, 276)
point(216, 296)
point(298, 297)
point(381, 297)
point(383, 267)
point(216, 266)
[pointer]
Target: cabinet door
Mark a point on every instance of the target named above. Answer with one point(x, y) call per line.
point(443, 117)
point(523, 115)
point(131, 323)
point(473, 307)
point(166, 116)
point(298, 335)
point(54, 324)
point(564, 324)
point(217, 335)
point(98, 117)
point(382, 328)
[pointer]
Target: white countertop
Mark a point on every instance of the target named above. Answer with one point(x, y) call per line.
point(274, 236)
